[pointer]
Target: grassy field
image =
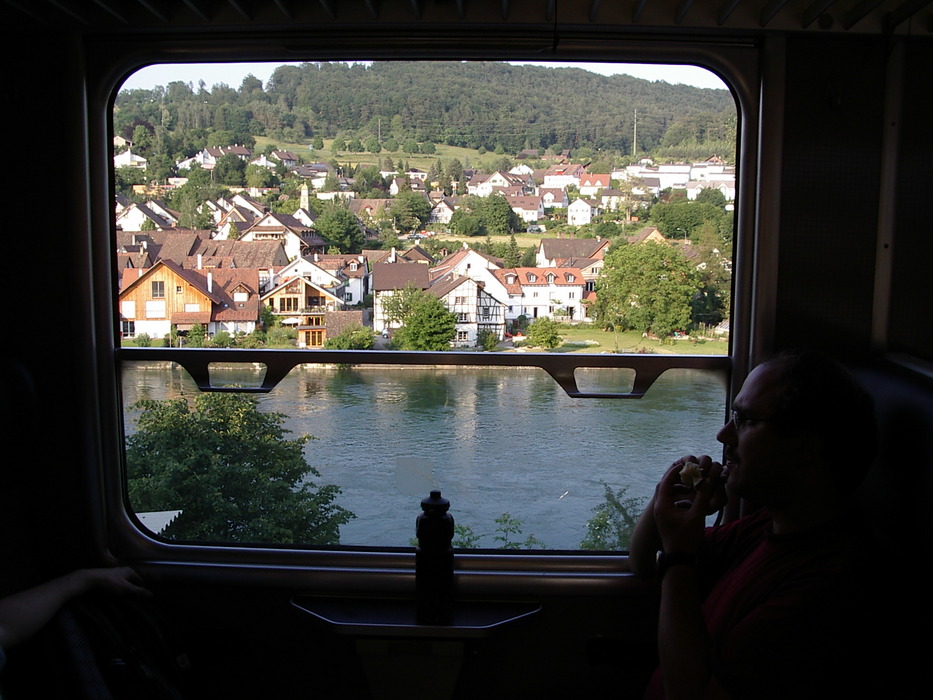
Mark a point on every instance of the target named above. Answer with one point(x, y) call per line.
point(468, 157)
point(586, 338)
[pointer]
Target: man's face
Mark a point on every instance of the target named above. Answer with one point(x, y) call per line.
point(761, 460)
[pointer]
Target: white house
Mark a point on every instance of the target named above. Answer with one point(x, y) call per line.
point(581, 212)
point(592, 184)
point(389, 278)
point(442, 211)
point(297, 238)
point(476, 309)
point(726, 186)
point(484, 185)
point(529, 209)
point(552, 197)
point(562, 175)
point(536, 292)
point(128, 159)
point(134, 217)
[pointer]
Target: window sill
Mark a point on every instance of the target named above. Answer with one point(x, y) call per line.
point(386, 617)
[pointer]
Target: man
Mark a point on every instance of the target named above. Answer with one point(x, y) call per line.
point(766, 606)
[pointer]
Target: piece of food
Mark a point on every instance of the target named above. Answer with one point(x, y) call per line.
point(691, 474)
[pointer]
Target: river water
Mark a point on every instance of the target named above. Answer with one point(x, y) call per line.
point(493, 440)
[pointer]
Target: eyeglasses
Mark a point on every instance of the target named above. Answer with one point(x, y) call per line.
point(740, 419)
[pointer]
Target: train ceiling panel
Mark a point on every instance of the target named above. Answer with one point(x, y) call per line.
point(712, 17)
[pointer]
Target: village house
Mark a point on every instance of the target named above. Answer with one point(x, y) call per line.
point(529, 208)
point(138, 217)
point(648, 233)
point(315, 173)
point(388, 279)
point(286, 158)
point(482, 185)
point(562, 175)
point(352, 269)
point(466, 262)
point(303, 306)
point(553, 197)
point(581, 212)
point(297, 238)
point(552, 252)
point(166, 297)
point(535, 292)
point(128, 159)
point(371, 210)
point(726, 186)
point(442, 211)
point(592, 184)
point(347, 276)
point(476, 310)
point(233, 222)
point(207, 158)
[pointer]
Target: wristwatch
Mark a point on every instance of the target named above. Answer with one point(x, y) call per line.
point(665, 560)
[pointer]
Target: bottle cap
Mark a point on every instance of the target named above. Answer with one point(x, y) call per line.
point(435, 502)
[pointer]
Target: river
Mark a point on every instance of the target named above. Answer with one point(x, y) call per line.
point(493, 440)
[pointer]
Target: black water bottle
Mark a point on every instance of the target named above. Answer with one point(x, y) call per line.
point(434, 561)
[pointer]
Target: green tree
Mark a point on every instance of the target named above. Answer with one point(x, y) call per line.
point(260, 176)
point(646, 287)
point(614, 520)
point(544, 333)
point(410, 210)
point(231, 471)
point(487, 340)
point(683, 219)
point(465, 223)
point(396, 307)
point(426, 322)
point(351, 338)
point(196, 336)
point(496, 214)
point(230, 170)
point(340, 228)
point(222, 339)
point(508, 529)
point(513, 254)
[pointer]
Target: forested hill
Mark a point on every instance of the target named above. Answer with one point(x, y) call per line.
point(486, 105)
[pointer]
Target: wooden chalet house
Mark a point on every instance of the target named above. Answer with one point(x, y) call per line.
point(169, 297)
point(305, 306)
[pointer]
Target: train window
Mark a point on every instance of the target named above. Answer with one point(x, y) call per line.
point(509, 282)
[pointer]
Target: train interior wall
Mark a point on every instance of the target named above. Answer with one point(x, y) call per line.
point(248, 636)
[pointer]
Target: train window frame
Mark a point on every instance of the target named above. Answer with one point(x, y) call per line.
point(385, 569)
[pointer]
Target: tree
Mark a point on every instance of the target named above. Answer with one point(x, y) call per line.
point(351, 338)
point(260, 176)
point(231, 471)
point(612, 525)
point(426, 322)
point(465, 223)
point(396, 307)
point(682, 219)
point(513, 254)
point(230, 170)
point(339, 227)
point(496, 214)
point(410, 210)
point(647, 287)
point(544, 333)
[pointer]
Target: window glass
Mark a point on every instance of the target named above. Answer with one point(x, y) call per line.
point(375, 206)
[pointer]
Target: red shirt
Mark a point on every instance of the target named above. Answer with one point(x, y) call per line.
point(780, 609)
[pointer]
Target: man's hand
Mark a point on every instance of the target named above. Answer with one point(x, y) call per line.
point(680, 510)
